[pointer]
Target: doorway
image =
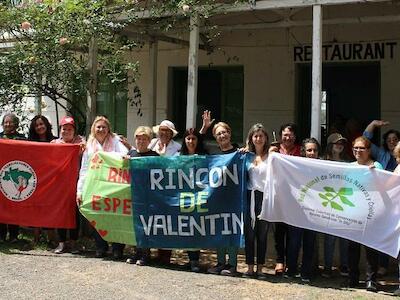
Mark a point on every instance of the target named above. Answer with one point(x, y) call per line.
point(220, 89)
point(351, 98)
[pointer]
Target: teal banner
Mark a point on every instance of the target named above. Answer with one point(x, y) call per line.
point(189, 201)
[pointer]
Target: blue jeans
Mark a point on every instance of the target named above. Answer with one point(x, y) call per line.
point(296, 237)
point(329, 250)
point(232, 255)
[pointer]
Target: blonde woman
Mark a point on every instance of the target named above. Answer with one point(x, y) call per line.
point(143, 135)
point(222, 134)
point(101, 139)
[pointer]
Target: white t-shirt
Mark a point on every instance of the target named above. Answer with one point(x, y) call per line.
point(172, 149)
point(257, 176)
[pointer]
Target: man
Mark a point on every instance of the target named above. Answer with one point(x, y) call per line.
point(287, 146)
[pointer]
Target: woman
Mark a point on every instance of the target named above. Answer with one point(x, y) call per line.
point(335, 151)
point(10, 124)
point(296, 236)
point(69, 136)
point(383, 155)
point(164, 143)
point(287, 146)
point(222, 134)
point(362, 153)
point(387, 159)
point(396, 153)
point(101, 139)
point(193, 145)
point(142, 135)
point(40, 130)
point(256, 230)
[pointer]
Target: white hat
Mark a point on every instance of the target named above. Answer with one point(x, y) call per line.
point(167, 124)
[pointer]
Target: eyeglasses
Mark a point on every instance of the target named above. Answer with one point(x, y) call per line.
point(360, 149)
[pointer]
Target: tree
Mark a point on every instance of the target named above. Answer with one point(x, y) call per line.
point(49, 42)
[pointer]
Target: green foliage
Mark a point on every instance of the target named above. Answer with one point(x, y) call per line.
point(48, 54)
point(50, 45)
point(330, 195)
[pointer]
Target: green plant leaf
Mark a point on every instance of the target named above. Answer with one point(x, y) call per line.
point(336, 206)
point(329, 195)
point(325, 203)
point(346, 201)
point(323, 196)
point(329, 189)
point(346, 191)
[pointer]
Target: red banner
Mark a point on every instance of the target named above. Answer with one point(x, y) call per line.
point(38, 183)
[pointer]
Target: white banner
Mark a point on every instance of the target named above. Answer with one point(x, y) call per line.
point(341, 199)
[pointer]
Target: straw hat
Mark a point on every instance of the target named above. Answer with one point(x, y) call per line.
point(166, 124)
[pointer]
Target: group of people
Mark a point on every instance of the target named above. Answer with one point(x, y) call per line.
point(288, 239)
point(40, 130)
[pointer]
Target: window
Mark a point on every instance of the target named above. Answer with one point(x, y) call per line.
point(220, 89)
point(112, 102)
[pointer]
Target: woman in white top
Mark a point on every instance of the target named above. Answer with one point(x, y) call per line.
point(101, 139)
point(256, 230)
point(396, 153)
point(164, 144)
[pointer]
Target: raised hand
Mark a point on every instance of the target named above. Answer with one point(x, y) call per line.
point(380, 123)
point(375, 123)
point(207, 121)
point(125, 142)
point(162, 148)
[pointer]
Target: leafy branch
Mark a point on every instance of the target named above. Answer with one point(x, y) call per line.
point(330, 195)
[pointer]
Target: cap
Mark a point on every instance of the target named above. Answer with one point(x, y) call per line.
point(335, 137)
point(67, 120)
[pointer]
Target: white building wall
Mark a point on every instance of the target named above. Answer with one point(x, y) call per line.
point(269, 70)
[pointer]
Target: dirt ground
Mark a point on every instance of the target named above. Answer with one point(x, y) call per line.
point(37, 273)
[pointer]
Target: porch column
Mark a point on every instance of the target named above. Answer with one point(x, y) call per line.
point(92, 86)
point(153, 53)
point(316, 73)
point(191, 109)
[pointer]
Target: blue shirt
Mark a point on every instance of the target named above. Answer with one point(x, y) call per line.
point(381, 155)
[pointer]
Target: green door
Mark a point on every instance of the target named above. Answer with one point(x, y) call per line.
point(220, 89)
point(112, 102)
